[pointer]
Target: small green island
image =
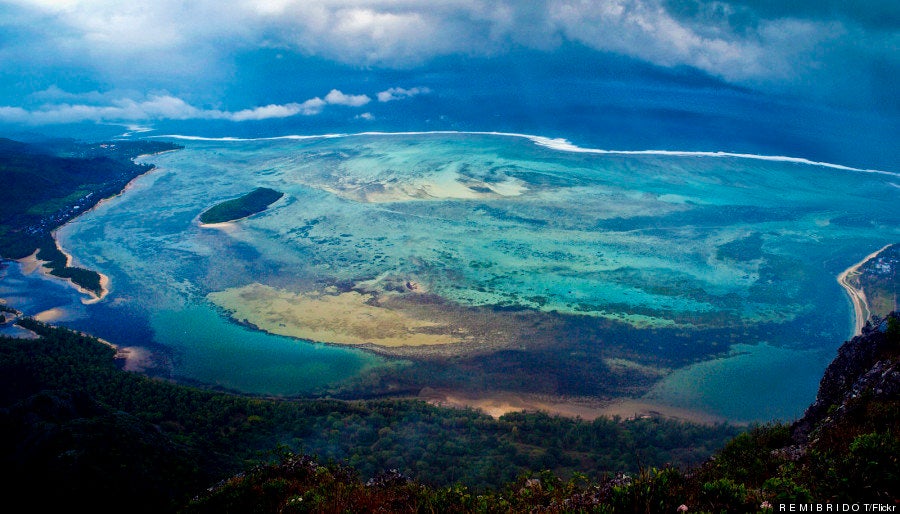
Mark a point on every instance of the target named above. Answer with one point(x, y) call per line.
point(249, 204)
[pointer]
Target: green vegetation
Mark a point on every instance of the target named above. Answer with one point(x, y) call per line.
point(849, 454)
point(753, 473)
point(75, 427)
point(44, 187)
point(251, 203)
point(77, 431)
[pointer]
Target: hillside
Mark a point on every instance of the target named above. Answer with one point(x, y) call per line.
point(844, 450)
point(77, 431)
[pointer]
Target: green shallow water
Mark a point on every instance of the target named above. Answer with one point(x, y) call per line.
point(216, 352)
point(650, 242)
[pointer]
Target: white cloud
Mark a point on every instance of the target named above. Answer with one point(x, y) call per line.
point(397, 93)
point(101, 108)
point(269, 111)
point(175, 42)
point(336, 97)
point(172, 36)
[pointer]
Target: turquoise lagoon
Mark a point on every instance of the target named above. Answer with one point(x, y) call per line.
point(718, 270)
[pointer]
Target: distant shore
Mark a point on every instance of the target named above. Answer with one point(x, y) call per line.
point(857, 295)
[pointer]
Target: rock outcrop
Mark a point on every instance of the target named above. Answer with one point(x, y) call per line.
point(860, 388)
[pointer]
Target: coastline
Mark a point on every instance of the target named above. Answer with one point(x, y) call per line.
point(858, 296)
point(128, 186)
point(31, 263)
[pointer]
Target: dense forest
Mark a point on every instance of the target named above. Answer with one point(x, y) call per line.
point(251, 203)
point(70, 415)
point(78, 431)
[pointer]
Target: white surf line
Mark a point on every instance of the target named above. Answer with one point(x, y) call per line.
point(559, 144)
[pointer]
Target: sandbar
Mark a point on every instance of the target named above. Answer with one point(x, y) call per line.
point(30, 264)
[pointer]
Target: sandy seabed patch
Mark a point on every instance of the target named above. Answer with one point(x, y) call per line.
point(350, 318)
point(51, 315)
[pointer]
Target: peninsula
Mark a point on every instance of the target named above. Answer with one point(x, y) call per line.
point(238, 208)
point(47, 185)
point(872, 284)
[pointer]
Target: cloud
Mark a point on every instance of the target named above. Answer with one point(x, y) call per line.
point(179, 45)
point(152, 108)
point(336, 97)
point(275, 111)
point(100, 107)
point(397, 93)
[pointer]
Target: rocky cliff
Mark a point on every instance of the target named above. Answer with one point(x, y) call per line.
point(860, 390)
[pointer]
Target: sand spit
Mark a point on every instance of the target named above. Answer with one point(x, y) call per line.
point(857, 296)
point(70, 262)
point(31, 264)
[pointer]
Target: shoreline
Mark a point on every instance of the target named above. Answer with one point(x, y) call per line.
point(858, 296)
point(104, 280)
point(31, 263)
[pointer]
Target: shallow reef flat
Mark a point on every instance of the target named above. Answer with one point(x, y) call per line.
point(474, 247)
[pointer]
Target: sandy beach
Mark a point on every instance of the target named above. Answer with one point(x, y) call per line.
point(228, 227)
point(31, 264)
point(857, 296)
point(70, 262)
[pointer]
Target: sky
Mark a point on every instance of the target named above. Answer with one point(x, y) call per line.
point(815, 77)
